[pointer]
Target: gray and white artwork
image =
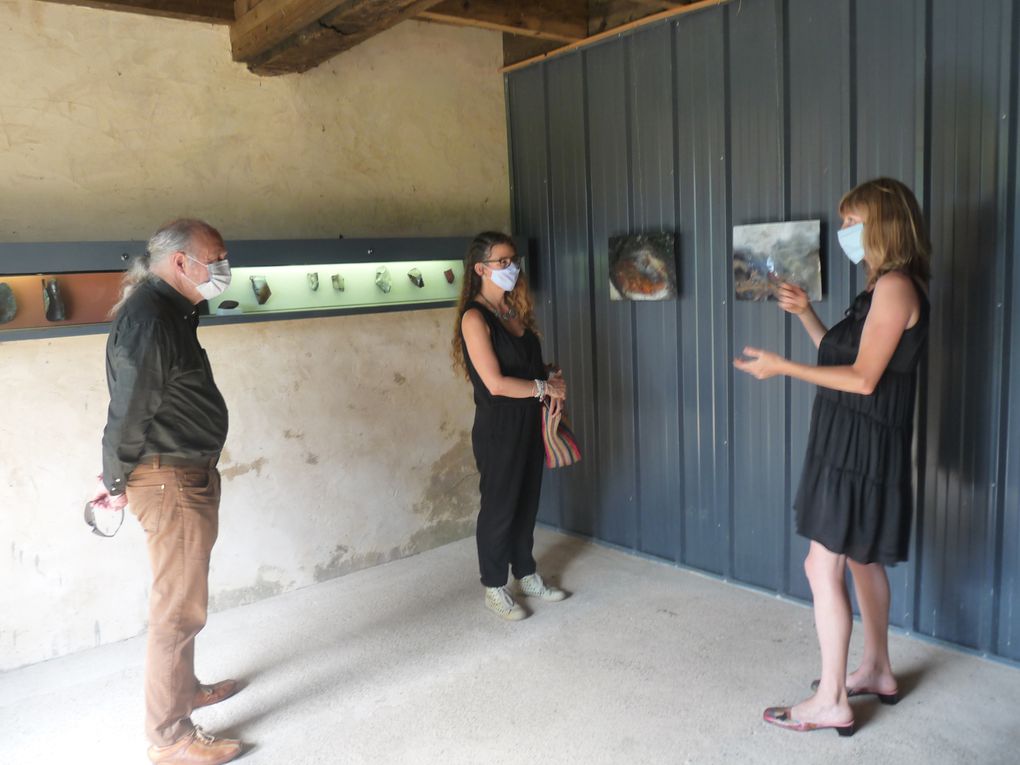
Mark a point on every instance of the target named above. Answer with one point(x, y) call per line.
point(338, 282)
point(642, 267)
point(313, 281)
point(766, 254)
point(416, 278)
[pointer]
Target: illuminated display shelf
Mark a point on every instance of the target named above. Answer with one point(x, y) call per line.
point(88, 273)
point(290, 291)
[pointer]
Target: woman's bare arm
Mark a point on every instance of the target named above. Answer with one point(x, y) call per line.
point(483, 357)
point(893, 306)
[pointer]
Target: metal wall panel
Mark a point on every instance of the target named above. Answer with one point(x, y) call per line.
point(967, 104)
point(769, 110)
point(616, 478)
point(757, 148)
point(705, 277)
point(1008, 589)
point(568, 198)
point(656, 326)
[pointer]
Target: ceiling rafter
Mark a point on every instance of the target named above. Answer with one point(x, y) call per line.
point(557, 20)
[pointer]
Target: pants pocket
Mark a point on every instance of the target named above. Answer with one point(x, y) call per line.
point(147, 503)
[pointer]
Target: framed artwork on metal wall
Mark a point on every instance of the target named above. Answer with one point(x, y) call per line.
point(766, 254)
point(642, 267)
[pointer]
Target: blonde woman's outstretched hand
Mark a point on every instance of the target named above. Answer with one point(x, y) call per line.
point(759, 364)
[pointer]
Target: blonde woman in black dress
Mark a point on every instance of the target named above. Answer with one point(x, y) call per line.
point(855, 499)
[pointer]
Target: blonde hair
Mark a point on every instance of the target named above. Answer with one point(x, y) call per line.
point(519, 298)
point(894, 232)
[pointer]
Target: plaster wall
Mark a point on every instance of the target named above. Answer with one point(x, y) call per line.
point(349, 441)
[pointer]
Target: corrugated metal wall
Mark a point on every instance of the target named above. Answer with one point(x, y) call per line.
point(768, 110)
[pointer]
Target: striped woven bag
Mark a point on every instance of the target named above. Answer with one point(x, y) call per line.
point(560, 445)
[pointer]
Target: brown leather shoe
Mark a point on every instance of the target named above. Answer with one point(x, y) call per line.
point(206, 695)
point(197, 748)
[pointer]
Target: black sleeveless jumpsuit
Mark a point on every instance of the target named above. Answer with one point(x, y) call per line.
point(507, 442)
point(856, 492)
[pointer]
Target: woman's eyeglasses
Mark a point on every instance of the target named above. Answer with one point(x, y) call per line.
point(502, 262)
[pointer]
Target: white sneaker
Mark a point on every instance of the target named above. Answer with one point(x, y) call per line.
point(533, 586)
point(498, 600)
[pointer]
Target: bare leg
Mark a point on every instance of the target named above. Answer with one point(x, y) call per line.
point(825, 571)
point(875, 671)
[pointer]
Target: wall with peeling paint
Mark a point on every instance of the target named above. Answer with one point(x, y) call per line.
point(349, 443)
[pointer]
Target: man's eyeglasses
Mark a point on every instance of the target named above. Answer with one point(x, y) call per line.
point(503, 262)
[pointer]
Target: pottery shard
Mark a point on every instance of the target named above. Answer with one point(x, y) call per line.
point(260, 287)
point(448, 273)
point(382, 279)
point(8, 304)
point(52, 302)
point(416, 278)
point(338, 283)
point(313, 281)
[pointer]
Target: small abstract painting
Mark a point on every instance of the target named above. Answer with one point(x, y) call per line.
point(766, 254)
point(642, 267)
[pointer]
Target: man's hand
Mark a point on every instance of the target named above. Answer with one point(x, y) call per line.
point(103, 500)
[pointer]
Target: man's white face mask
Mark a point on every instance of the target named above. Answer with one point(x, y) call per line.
point(219, 278)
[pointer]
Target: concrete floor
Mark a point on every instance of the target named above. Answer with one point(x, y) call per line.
point(645, 663)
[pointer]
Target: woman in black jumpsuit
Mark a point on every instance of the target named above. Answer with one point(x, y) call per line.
point(855, 499)
point(495, 342)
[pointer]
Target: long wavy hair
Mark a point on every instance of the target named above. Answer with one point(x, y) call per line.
point(894, 233)
point(519, 298)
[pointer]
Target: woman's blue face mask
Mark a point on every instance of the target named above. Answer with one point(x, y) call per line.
point(851, 240)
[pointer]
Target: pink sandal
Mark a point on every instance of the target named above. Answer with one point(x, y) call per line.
point(781, 716)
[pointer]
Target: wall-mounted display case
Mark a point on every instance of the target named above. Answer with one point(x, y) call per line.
point(271, 280)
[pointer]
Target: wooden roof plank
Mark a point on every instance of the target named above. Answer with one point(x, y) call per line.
point(208, 11)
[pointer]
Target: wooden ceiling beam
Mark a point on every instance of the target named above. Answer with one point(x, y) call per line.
point(208, 11)
point(558, 20)
point(284, 36)
point(271, 22)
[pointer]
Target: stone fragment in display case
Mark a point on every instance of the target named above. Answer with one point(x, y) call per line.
point(8, 303)
point(383, 280)
point(52, 302)
point(228, 308)
point(416, 278)
point(448, 273)
point(260, 287)
point(313, 281)
point(338, 283)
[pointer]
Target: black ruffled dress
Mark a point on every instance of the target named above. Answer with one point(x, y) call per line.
point(856, 491)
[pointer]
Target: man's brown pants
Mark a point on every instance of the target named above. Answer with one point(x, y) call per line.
point(178, 507)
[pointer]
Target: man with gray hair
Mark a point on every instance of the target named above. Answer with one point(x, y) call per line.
point(166, 426)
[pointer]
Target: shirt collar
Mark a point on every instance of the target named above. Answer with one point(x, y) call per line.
point(181, 304)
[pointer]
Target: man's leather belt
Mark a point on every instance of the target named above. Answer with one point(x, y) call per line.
point(170, 460)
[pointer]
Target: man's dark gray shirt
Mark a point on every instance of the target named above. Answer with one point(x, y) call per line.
point(163, 399)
